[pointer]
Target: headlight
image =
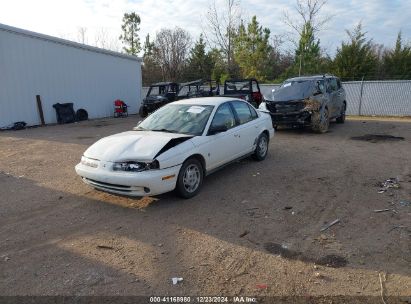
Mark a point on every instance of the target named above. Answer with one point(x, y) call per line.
point(134, 166)
point(89, 162)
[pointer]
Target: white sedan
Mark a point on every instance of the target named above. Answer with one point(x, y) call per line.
point(176, 146)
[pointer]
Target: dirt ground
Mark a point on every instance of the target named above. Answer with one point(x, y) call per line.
point(254, 229)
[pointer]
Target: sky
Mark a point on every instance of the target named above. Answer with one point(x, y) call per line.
point(381, 19)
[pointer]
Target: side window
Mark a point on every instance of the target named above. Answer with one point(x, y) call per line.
point(243, 111)
point(321, 86)
point(333, 83)
point(223, 117)
point(338, 83)
point(254, 114)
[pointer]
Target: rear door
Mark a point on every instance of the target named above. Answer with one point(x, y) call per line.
point(247, 128)
point(340, 97)
point(333, 97)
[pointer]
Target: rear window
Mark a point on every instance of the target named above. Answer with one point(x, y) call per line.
point(238, 86)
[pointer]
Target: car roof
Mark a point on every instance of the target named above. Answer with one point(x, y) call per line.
point(312, 77)
point(162, 83)
point(207, 101)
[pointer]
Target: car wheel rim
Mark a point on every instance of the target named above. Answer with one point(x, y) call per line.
point(191, 178)
point(262, 146)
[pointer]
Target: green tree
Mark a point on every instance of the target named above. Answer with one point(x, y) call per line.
point(129, 37)
point(200, 63)
point(219, 69)
point(308, 53)
point(252, 50)
point(397, 62)
point(356, 58)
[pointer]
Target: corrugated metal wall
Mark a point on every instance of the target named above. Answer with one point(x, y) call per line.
point(92, 80)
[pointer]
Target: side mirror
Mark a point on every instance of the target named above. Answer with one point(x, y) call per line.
point(217, 129)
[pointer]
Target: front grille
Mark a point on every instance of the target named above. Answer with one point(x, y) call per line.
point(108, 186)
point(285, 107)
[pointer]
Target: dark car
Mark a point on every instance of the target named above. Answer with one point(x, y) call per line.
point(198, 88)
point(247, 89)
point(308, 101)
point(157, 96)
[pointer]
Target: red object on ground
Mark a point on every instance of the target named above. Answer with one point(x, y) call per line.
point(120, 108)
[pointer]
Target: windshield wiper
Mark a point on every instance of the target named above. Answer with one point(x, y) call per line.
point(165, 130)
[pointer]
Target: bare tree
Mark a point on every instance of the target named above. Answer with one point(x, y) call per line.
point(82, 35)
point(221, 25)
point(171, 49)
point(101, 38)
point(309, 12)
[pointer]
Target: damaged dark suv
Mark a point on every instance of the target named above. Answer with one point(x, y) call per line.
point(308, 101)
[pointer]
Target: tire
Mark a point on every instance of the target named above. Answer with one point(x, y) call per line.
point(261, 149)
point(341, 119)
point(320, 123)
point(143, 112)
point(190, 178)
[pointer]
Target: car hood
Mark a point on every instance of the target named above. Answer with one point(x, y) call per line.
point(131, 145)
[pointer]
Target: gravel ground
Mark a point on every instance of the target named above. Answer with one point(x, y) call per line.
point(254, 229)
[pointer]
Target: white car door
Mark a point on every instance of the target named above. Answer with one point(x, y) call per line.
point(248, 127)
point(221, 147)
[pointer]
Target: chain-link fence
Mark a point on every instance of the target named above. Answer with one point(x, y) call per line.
point(379, 98)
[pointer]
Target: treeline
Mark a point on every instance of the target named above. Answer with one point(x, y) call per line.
point(232, 48)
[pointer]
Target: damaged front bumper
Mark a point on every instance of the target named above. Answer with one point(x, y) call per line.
point(151, 182)
point(293, 112)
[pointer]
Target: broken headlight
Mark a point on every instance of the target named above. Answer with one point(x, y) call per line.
point(134, 166)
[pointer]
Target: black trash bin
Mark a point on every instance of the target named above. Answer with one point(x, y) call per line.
point(65, 112)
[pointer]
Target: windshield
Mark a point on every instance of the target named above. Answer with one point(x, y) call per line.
point(156, 90)
point(238, 86)
point(178, 118)
point(294, 90)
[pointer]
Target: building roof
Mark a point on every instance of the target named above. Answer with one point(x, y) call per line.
point(65, 42)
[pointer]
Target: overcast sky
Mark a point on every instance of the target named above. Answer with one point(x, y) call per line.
point(382, 19)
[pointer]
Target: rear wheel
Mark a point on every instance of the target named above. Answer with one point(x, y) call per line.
point(262, 147)
point(190, 178)
point(320, 121)
point(341, 118)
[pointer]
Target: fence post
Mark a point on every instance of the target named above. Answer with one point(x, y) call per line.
point(361, 90)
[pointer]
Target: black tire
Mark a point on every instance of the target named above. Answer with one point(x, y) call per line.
point(261, 149)
point(190, 178)
point(143, 112)
point(341, 119)
point(320, 123)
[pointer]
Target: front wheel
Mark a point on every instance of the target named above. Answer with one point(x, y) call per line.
point(262, 147)
point(320, 122)
point(190, 178)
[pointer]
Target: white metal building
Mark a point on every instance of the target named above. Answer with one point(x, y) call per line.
point(62, 71)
